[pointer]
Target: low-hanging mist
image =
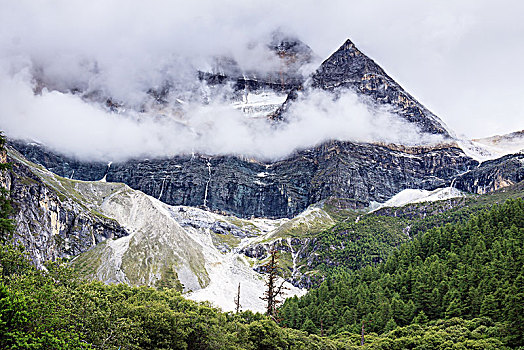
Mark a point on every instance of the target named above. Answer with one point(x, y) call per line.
point(60, 64)
point(73, 126)
point(122, 49)
point(448, 55)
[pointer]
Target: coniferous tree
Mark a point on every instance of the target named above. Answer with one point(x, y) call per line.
point(6, 224)
point(469, 270)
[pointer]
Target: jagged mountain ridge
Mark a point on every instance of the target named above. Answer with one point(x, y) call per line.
point(259, 93)
point(216, 78)
point(292, 53)
point(348, 67)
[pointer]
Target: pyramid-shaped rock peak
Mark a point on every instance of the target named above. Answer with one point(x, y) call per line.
point(348, 46)
point(283, 43)
point(347, 64)
point(351, 69)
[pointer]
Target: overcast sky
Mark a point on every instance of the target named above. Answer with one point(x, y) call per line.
point(461, 59)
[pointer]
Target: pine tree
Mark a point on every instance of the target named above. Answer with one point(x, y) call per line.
point(6, 224)
point(489, 307)
point(390, 325)
point(309, 326)
point(421, 318)
point(514, 312)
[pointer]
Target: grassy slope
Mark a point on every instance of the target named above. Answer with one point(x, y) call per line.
point(353, 243)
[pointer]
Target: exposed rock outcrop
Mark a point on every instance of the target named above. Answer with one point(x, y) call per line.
point(49, 224)
point(493, 174)
point(291, 53)
point(362, 172)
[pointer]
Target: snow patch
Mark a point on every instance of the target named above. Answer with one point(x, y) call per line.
point(207, 183)
point(104, 179)
point(260, 104)
point(493, 147)
point(418, 196)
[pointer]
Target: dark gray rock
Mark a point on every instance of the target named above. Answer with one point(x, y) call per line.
point(62, 165)
point(226, 228)
point(364, 172)
point(493, 175)
point(293, 54)
point(302, 255)
point(360, 173)
point(258, 251)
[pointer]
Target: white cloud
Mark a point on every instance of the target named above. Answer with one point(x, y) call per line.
point(68, 124)
point(462, 59)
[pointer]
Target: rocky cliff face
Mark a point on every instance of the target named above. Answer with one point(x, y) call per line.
point(50, 223)
point(493, 175)
point(360, 172)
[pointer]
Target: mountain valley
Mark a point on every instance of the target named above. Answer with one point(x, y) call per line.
point(335, 212)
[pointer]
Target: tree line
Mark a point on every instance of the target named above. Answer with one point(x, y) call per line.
point(468, 270)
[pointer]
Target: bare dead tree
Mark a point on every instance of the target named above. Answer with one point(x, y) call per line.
point(237, 300)
point(274, 289)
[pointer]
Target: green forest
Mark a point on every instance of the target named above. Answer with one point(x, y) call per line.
point(352, 244)
point(454, 287)
point(472, 270)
